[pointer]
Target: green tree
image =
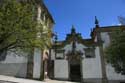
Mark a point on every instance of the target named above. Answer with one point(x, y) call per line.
point(115, 53)
point(19, 28)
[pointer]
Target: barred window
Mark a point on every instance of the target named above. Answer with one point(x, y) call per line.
point(89, 52)
point(59, 54)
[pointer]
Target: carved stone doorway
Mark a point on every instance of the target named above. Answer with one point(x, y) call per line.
point(75, 71)
point(74, 58)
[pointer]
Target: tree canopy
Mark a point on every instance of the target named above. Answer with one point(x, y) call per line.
point(19, 28)
point(115, 53)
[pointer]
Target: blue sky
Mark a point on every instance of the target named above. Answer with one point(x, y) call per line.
point(81, 14)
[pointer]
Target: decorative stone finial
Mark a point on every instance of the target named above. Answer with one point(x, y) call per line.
point(73, 29)
point(96, 22)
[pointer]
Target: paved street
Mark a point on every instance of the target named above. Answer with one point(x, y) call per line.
point(6, 82)
point(9, 79)
point(56, 81)
point(50, 81)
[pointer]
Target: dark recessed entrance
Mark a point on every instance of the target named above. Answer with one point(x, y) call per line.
point(75, 72)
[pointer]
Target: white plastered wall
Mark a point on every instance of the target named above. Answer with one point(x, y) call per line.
point(92, 66)
point(14, 65)
point(61, 69)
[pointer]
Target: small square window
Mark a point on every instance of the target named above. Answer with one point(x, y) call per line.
point(59, 54)
point(89, 52)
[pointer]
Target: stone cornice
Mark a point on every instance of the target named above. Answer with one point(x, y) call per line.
point(105, 29)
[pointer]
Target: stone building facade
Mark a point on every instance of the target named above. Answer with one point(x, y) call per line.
point(79, 59)
point(74, 59)
point(29, 65)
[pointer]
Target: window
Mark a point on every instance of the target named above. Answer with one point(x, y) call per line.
point(3, 55)
point(89, 52)
point(59, 54)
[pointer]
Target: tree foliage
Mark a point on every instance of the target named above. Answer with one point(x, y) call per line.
point(115, 53)
point(19, 27)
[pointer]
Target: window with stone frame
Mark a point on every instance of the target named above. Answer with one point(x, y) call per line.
point(59, 54)
point(89, 53)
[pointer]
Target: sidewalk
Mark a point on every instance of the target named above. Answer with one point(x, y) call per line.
point(9, 79)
